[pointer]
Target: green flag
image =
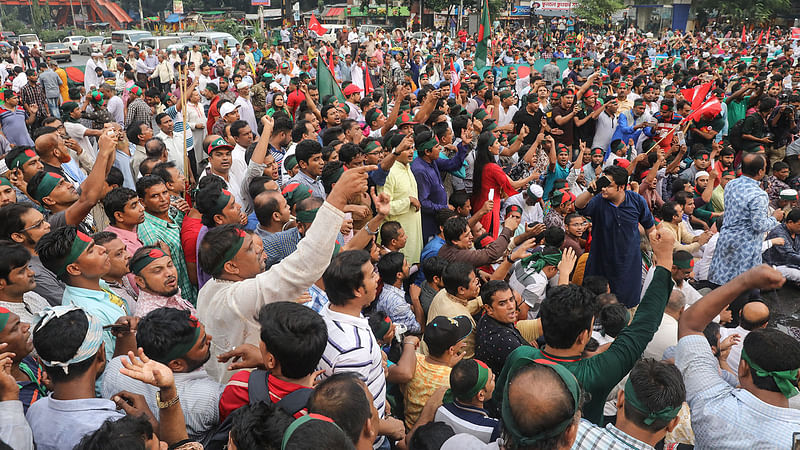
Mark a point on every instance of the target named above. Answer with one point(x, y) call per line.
point(484, 35)
point(326, 83)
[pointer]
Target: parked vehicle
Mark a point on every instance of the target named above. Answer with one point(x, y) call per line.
point(90, 45)
point(157, 42)
point(124, 40)
point(215, 38)
point(106, 48)
point(57, 51)
point(8, 35)
point(30, 40)
point(72, 42)
point(187, 41)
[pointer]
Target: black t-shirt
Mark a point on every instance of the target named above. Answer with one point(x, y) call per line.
point(567, 138)
point(534, 123)
point(586, 131)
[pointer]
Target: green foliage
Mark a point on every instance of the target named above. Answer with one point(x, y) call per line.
point(54, 35)
point(15, 25)
point(748, 11)
point(598, 12)
point(230, 26)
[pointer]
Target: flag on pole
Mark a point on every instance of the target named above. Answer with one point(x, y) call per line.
point(326, 83)
point(711, 107)
point(744, 35)
point(315, 26)
point(697, 94)
point(367, 81)
point(453, 73)
point(760, 35)
point(484, 36)
point(768, 30)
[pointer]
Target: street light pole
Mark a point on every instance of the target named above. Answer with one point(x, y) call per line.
point(141, 15)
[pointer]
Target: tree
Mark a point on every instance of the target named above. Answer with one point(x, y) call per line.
point(747, 11)
point(598, 12)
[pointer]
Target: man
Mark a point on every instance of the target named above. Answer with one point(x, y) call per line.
point(393, 269)
point(220, 161)
point(567, 315)
point(246, 111)
point(33, 94)
point(157, 280)
point(117, 278)
point(350, 284)
point(551, 73)
point(746, 220)
point(562, 202)
point(459, 242)
point(530, 116)
point(72, 112)
point(227, 255)
point(347, 400)
point(138, 133)
point(496, 334)
point(167, 135)
point(755, 315)
point(309, 159)
point(175, 182)
point(615, 242)
point(14, 119)
point(162, 226)
point(242, 133)
point(529, 201)
point(458, 298)
point(667, 334)
point(272, 211)
point(471, 385)
point(634, 123)
point(50, 83)
point(17, 282)
point(138, 109)
point(179, 341)
point(280, 245)
point(672, 222)
point(786, 258)
point(767, 373)
point(68, 342)
point(647, 409)
point(228, 113)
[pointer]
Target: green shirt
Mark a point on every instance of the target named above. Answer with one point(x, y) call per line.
point(737, 110)
point(599, 374)
point(154, 230)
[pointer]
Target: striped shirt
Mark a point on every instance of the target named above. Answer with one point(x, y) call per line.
point(469, 419)
point(154, 230)
point(177, 126)
point(352, 348)
point(139, 111)
point(280, 245)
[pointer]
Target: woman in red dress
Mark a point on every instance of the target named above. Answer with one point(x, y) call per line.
point(488, 176)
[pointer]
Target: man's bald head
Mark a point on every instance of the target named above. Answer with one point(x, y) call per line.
point(540, 401)
point(45, 144)
point(754, 315)
point(676, 302)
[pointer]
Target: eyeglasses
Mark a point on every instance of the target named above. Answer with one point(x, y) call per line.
point(36, 225)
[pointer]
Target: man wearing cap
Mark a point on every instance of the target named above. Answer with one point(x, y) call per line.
point(529, 201)
point(728, 417)
point(138, 109)
point(157, 280)
point(179, 341)
point(562, 202)
point(14, 119)
point(228, 114)
point(246, 111)
point(353, 95)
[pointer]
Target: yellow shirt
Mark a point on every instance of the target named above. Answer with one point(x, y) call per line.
point(400, 185)
point(427, 378)
point(446, 305)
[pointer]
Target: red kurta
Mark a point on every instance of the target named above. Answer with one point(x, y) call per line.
point(492, 177)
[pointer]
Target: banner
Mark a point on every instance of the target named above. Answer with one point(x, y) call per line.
point(260, 2)
point(545, 7)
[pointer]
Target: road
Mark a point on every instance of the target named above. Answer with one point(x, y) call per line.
point(77, 60)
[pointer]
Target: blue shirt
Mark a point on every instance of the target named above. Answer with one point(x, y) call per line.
point(558, 173)
point(280, 245)
point(392, 301)
point(59, 424)
point(625, 131)
point(14, 127)
point(432, 196)
point(616, 252)
point(747, 217)
point(431, 248)
point(122, 161)
point(101, 305)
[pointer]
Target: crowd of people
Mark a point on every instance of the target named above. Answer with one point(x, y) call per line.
point(431, 252)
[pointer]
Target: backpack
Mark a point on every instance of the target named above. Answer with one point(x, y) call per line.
point(257, 391)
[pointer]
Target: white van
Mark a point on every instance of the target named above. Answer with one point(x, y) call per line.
point(126, 39)
point(216, 38)
point(158, 42)
point(30, 40)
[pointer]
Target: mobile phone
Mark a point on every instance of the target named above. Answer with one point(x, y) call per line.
point(116, 326)
point(602, 182)
point(491, 194)
point(796, 440)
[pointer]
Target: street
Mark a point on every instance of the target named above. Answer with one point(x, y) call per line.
point(77, 60)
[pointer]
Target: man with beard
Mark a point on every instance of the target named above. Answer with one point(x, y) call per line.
point(178, 340)
point(157, 279)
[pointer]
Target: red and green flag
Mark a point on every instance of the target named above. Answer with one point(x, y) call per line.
point(484, 37)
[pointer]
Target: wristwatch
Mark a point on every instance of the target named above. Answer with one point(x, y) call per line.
point(508, 258)
point(167, 404)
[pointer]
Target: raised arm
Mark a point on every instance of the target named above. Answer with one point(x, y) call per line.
point(92, 186)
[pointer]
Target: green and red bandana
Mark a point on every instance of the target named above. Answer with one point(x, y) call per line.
point(479, 114)
point(222, 201)
point(684, 263)
point(597, 151)
point(5, 315)
point(480, 383)
point(372, 145)
point(513, 209)
point(232, 251)
point(136, 90)
point(154, 254)
point(79, 245)
point(299, 422)
point(404, 119)
point(24, 156)
point(182, 348)
point(563, 149)
point(49, 182)
point(380, 329)
point(5, 182)
point(295, 193)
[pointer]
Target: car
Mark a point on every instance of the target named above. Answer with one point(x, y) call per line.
point(90, 44)
point(30, 40)
point(210, 38)
point(157, 42)
point(72, 42)
point(57, 51)
point(187, 41)
point(125, 40)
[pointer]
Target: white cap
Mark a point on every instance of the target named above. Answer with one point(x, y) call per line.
point(97, 54)
point(786, 194)
point(275, 85)
point(535, 190)
point(242, 85)
point(699, 174)
point(227, 108)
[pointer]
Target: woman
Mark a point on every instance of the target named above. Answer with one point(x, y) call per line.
point(278, 104)
point(196, 118)
point(488, 176)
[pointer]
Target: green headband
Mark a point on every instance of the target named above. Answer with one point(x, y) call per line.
point(291, 162)
point(5, 314)
point(295, 193)
point(785, 379)
point(5, 182)
point(372, 145)
point(307, 216)
point(480, 383)
point(182, 348)
point(380, 332)
point(332, 177)
point(427, 145)
point(667, 413)
point(518, 359)
point(299, 422)
point(49, 182)
point(79, 244)
point(505, 94)
point(222, 201)
point(537, 261)
point(237, 244)
point(683, 263)
point(22, 158)
point(144, 261)
point(372, 115)
point(479, 114)
point(492, 140)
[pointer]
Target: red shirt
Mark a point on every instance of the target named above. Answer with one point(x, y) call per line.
point(236, 395)
point(213, 113)
point(190, 229)
point(294, 100)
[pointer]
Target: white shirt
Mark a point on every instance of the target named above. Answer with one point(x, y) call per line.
point(78, 132)
point(117, 109)
point(503, 117)
point(666, 336)
point(247, 113)
point(238, 171)
point(174, 148)
point(736, 351)
point(21, 80)
point(357, 75)
point(530, 214)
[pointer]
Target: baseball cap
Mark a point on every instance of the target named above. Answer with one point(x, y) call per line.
point(351, 89)
point(227, 108)
point(444, 332)
point(219, 144)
